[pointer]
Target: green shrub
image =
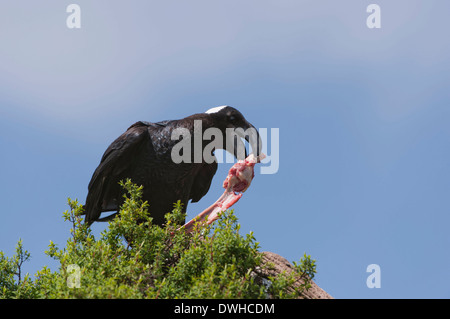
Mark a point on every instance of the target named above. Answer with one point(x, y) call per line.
point(142, 260)
point(11, 268)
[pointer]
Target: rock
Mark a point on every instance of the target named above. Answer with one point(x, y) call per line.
point(280, 264)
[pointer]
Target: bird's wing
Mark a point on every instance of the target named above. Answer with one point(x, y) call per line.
point(202, 181)
point(114, 162)
point(126, 142)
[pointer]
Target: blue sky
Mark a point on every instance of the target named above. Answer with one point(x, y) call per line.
point(363, 116)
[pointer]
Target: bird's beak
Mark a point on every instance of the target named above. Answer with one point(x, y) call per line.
point(251, 135)
point(239, 148)
point(253, 139)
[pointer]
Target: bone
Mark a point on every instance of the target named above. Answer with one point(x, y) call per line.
point(236, 183)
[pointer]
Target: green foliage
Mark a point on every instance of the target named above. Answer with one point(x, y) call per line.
point(293, 284)
point(11, 268)
point(140, 260)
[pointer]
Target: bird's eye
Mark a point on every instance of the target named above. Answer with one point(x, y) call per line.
point(232, 118)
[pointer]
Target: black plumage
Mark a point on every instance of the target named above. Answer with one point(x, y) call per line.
point(143, 154)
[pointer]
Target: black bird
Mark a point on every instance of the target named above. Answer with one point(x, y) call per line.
point(144, 154)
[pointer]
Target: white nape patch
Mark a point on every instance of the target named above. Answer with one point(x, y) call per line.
point(215, 109)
